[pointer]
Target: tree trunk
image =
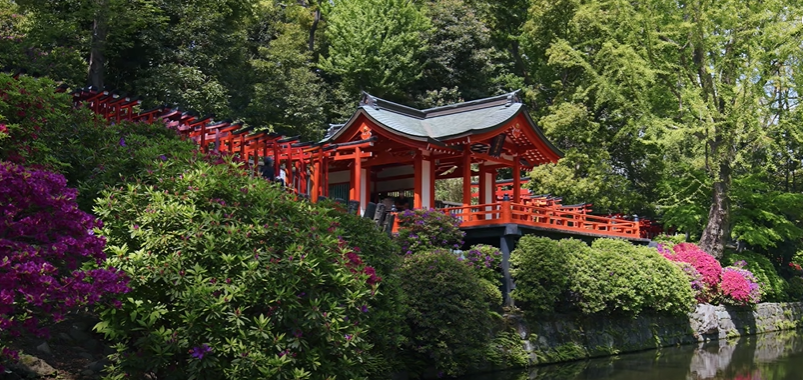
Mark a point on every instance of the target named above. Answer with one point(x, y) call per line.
point(316, 18)
point(718, 229)
point(100, 30)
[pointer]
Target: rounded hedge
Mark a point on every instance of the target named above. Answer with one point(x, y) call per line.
point(541, 268)
point(447, 313)
point(610, 276)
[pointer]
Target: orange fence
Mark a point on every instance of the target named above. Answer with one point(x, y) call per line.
point(544, 217)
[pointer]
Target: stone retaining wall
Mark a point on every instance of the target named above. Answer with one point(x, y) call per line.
point(566, 337)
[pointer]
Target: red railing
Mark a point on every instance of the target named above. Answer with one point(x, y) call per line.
point(544, 217)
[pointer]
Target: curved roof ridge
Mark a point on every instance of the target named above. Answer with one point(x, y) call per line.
point(506, 99)
point(369, 100)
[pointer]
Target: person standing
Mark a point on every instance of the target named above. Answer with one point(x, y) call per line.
point(282, 175)
point(268, 171)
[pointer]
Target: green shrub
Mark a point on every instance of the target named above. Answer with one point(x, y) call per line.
point(232, 279)
point(485, 260)
point(40, 127)
point(669, 240)
point(101, 155)
point(36, 122)
point(425, 230)
point(772, 286)
point(542, 268)
point(491, 292)
point(386, 316)
point(506, 350)
point(616, 276)
point(448, 319)
point(795, 289)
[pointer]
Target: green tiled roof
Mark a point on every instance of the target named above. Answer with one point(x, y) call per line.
point(440, 123)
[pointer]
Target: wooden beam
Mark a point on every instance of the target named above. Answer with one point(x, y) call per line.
point(386, 159)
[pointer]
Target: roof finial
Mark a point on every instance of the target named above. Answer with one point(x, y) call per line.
point(513, 97)
point(368, 100)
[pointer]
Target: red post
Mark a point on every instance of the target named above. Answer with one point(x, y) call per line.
point(467, 177)
point(516, 179)
point(418, 179)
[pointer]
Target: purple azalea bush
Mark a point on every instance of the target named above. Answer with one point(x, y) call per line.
point(44, 242)
point(424, 230)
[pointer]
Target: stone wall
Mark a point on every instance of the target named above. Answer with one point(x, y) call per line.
point(567, 337)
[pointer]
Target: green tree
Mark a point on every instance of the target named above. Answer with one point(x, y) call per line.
point(698, 80)
point(288, 95)
point(375, 45)
point(461, 59)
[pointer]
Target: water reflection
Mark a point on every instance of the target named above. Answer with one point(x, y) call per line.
point(771, 356)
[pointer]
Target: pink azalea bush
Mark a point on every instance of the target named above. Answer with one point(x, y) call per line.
point(44, 241)
point(704, 270)
point(733, 285)
point(739, 286)
point(706, 264)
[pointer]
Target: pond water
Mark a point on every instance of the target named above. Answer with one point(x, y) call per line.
point(771, 356)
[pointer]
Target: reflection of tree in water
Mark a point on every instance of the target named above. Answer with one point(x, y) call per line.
point(771, 356)
point(758, 357)
point(708, 361)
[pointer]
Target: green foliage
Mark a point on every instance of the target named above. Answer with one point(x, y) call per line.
point(448, 319)
point(387, 307)
point(619, 277)
point(485, 260)
point(772, 286)
point(231, 278)
point(43, 129)
point(424, 230)
point(101, 155)
point(375, 45)
point(506, 350)
point(611, 276)
point(669, 240)
point(288, 96)
point(654, 87)
point(490, 290)
point(461, 59)
point(37, 121)
point(542, 268)
point(795, 289)
point(765, 217)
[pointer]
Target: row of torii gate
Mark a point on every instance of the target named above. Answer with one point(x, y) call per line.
point(305, 163)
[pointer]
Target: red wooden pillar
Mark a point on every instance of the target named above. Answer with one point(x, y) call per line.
point(483, 186)
point(356, 179)
point(467, 176)
point(365, 188)
point(325, 176)
point(418, 181)
point(516, 179)
point(432, 183)
point(316, 180)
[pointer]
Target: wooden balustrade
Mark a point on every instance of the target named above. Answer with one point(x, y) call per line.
point(543, 217)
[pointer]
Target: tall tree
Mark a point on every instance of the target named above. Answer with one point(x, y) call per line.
point(375, 45)
point(461, 62)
